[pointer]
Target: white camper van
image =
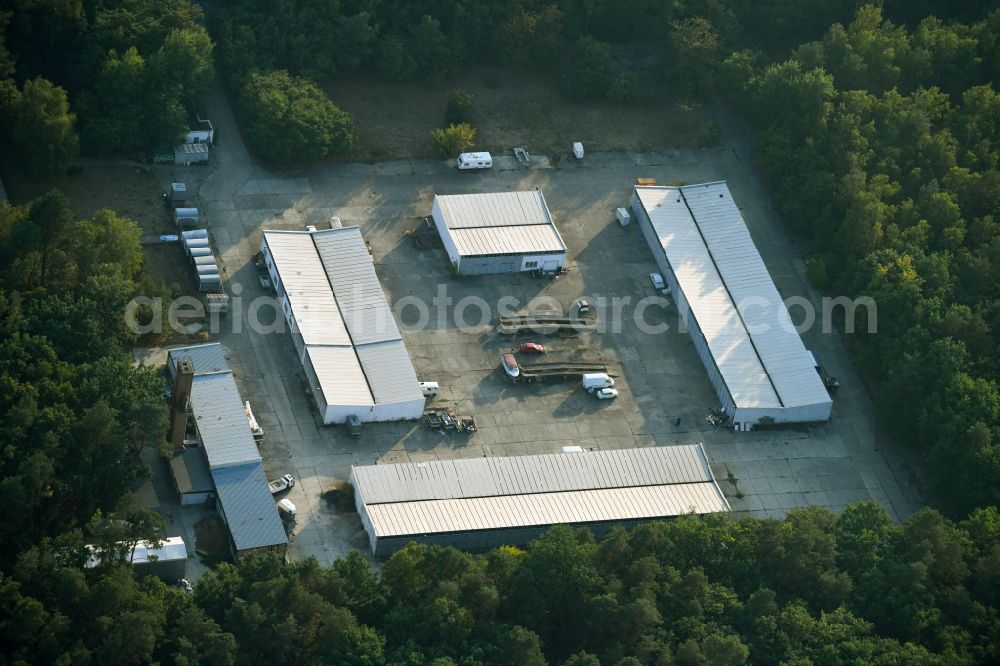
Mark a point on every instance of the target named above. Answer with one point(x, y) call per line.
point(475, 161)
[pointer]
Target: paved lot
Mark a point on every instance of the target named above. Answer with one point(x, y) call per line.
point(665, 393)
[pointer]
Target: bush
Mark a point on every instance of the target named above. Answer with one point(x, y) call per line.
point(453, 139)
point(288, 118)
point(461, 108)
point(588, 71)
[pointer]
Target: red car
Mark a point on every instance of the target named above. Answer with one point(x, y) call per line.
point(532, 348)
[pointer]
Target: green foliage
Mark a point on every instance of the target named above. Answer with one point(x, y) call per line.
point(130, 109)
point(461, 108)
point(691, 591)
point(76, 412)
point(881, 145)
point(131, 67)
point(39, 125)
point(186, 58)
point(289, 119)
point(588, 71)
point(454, 139)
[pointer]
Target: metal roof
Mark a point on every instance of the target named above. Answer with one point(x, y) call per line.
point(499, 223)
point(507, 240)
point(355, 284)
point(208, 358)
point(778, 344)
point(192, 148)
point(171, 548)
point(340, 376)
point(249, 507)
point(191, 471)
point(389, 371)
point(525, 475)
point(706, 294)
point(494, 209)
point(353, 342)
point(303, 278)
point(402, 519)
point(218, 411)
point(232, 454)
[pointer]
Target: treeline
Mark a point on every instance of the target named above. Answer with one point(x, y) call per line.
point(814, 588)
point(881, 145)
point(76, 414)
point(274, 54)
point(105, 77)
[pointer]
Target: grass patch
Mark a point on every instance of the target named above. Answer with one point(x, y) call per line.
point(513, 108)
point(135, 193)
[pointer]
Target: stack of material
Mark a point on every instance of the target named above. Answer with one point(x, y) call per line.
point(197, 246)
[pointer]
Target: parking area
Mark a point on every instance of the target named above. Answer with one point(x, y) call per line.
point(664, 391)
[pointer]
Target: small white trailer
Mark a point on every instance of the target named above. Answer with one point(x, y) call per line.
point(475, 161)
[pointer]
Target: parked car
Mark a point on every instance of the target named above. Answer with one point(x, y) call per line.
point(532, 348)
point(429, 389)
point(607, 394)
point(510, 365)
point(581, 307)
point(353, 424)
point(657, 281)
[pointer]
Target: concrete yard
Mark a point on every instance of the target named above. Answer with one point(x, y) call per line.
point(661, 379)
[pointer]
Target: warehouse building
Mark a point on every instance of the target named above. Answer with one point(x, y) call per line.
point(480, 503)
point(737, 320)
point(504, 232)
point(223, 444)
point(341, 325)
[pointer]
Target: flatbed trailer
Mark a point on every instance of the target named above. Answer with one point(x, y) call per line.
point(565, 370)
point(546, 324)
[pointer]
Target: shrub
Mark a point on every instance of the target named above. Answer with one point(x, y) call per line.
point(288, 118)
point(461, 108)
point(453, 139)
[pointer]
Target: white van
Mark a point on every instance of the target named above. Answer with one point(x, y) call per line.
point(475, 161)
point(596, 380)
point(429, 389)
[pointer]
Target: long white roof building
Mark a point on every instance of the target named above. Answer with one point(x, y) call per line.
point(342, 326)
point(737, 319)
point(484, 502)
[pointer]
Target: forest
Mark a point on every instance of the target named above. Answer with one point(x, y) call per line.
point(876, 128)
point(813, 589)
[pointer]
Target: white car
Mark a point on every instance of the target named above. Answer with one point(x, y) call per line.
point(657, 280)
point(607, 394)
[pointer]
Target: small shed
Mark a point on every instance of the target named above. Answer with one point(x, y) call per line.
point(192, 478)
point(191, 153)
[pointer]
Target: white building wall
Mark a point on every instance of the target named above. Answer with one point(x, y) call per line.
point(362, 508)
point(442, 228)
point(549, 262)
point(386, 411)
